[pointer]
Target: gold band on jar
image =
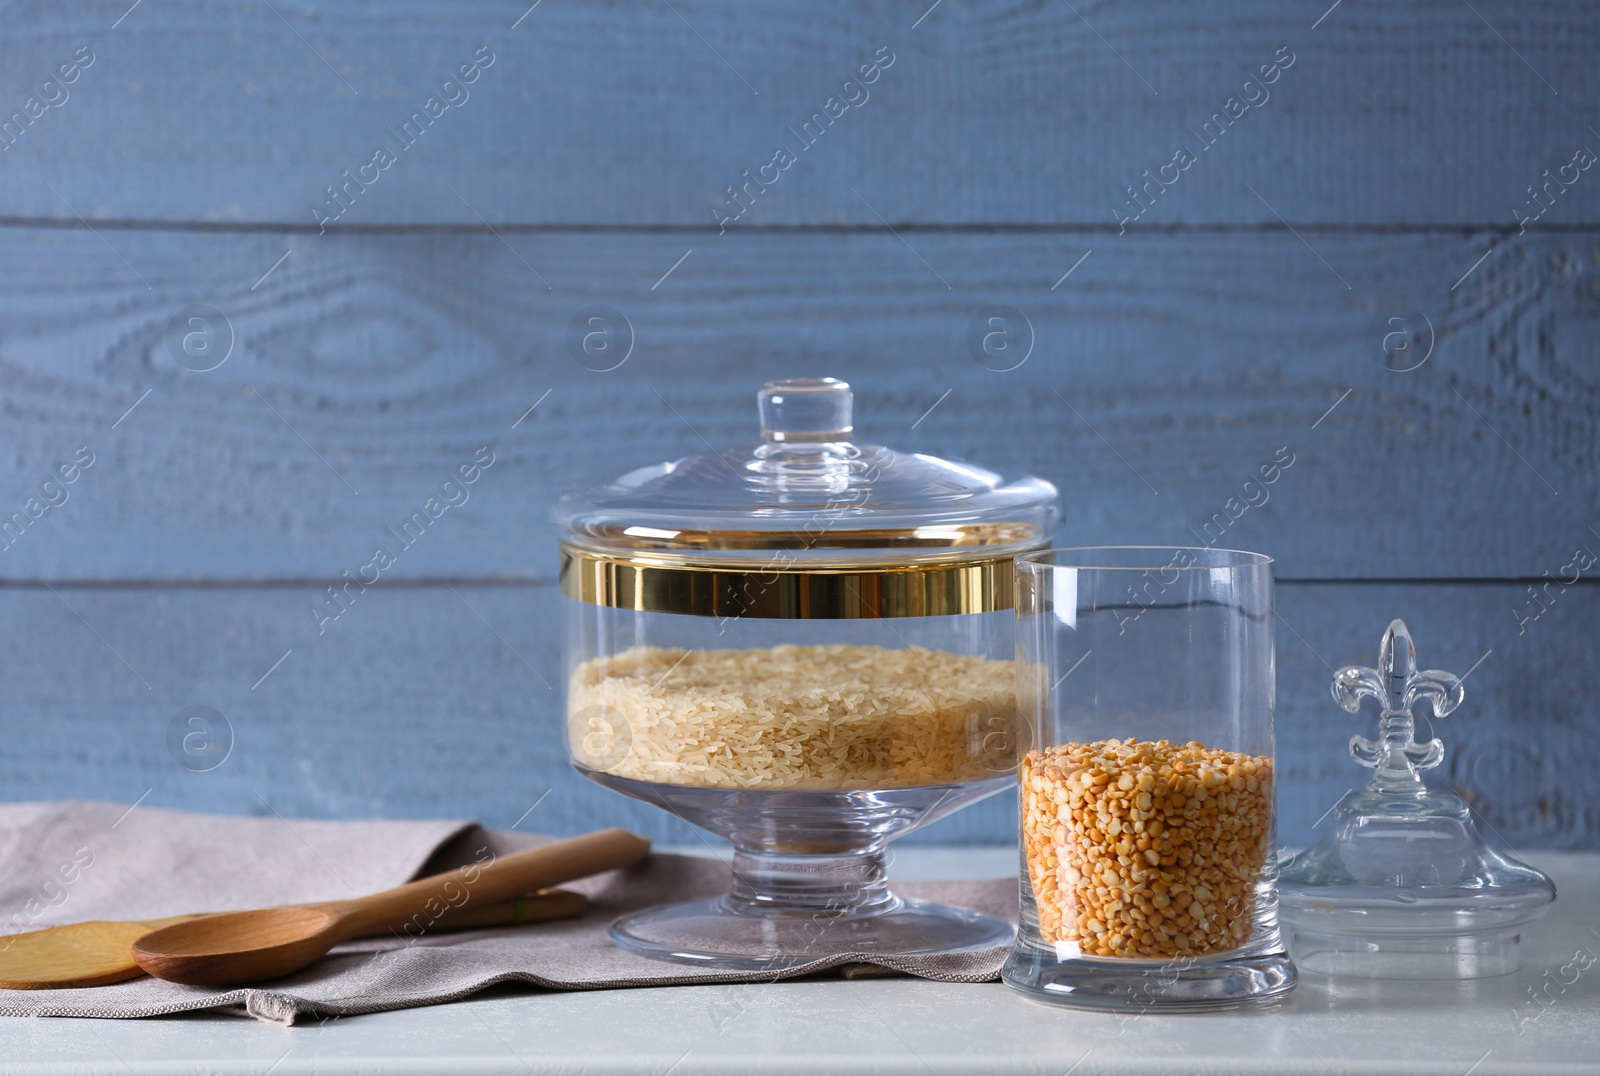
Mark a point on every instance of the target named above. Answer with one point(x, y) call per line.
point(779, 591)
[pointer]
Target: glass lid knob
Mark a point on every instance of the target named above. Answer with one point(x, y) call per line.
point(1396, 756)
point(805, 409)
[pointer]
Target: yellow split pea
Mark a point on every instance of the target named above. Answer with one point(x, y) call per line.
point(1143, 849)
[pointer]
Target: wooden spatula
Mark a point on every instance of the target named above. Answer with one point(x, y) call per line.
point(250, 947)
point(100, 953)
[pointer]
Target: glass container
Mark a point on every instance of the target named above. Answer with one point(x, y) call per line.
point(1145, 685)
point(802, 645)
point(1402, 884)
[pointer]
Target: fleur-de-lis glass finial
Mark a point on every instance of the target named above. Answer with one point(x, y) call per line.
point(1396, 757)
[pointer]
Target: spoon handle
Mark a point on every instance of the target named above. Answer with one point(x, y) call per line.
point(494, 880)
point(546, 904)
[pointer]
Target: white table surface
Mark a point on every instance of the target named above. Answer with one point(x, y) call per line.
point(902, 1025)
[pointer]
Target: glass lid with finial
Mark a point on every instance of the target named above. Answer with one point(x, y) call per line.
point(1403, 884)
point(805, 523)
point(809, 488)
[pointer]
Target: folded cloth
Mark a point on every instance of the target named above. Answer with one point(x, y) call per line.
point(75, 861)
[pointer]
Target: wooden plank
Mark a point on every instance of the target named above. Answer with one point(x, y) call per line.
point(1166, 372)
point(632, 112)
point(420, 702)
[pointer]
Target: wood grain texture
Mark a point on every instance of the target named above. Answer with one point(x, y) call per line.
point(630, 112)
point(413, 706)
point(587, 167)
point(1165, 372)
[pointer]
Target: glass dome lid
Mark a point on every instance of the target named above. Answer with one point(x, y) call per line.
point(1403, 884)
point(804, 523)
point(807, 488)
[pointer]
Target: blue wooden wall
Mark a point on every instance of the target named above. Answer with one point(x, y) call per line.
point(386, 216)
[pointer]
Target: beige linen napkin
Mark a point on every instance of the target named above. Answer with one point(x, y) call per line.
point(68, 862)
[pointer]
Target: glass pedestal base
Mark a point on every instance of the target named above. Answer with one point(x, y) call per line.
point(809, 878)
point(1123, 985)
point(717, 934)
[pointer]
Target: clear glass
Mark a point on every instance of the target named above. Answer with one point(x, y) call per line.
point(1402, 884)
point(1145, 689)
point(808, 731)
point(807, 489)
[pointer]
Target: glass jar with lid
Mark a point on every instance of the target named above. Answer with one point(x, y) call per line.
point(804, 646)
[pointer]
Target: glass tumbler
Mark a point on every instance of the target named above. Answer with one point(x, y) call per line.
point(1145, 691)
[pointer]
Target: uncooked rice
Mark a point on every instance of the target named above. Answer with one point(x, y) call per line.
point(795, 717)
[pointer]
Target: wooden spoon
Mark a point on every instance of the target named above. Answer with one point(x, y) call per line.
point(99, 953)
point(249, 947)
